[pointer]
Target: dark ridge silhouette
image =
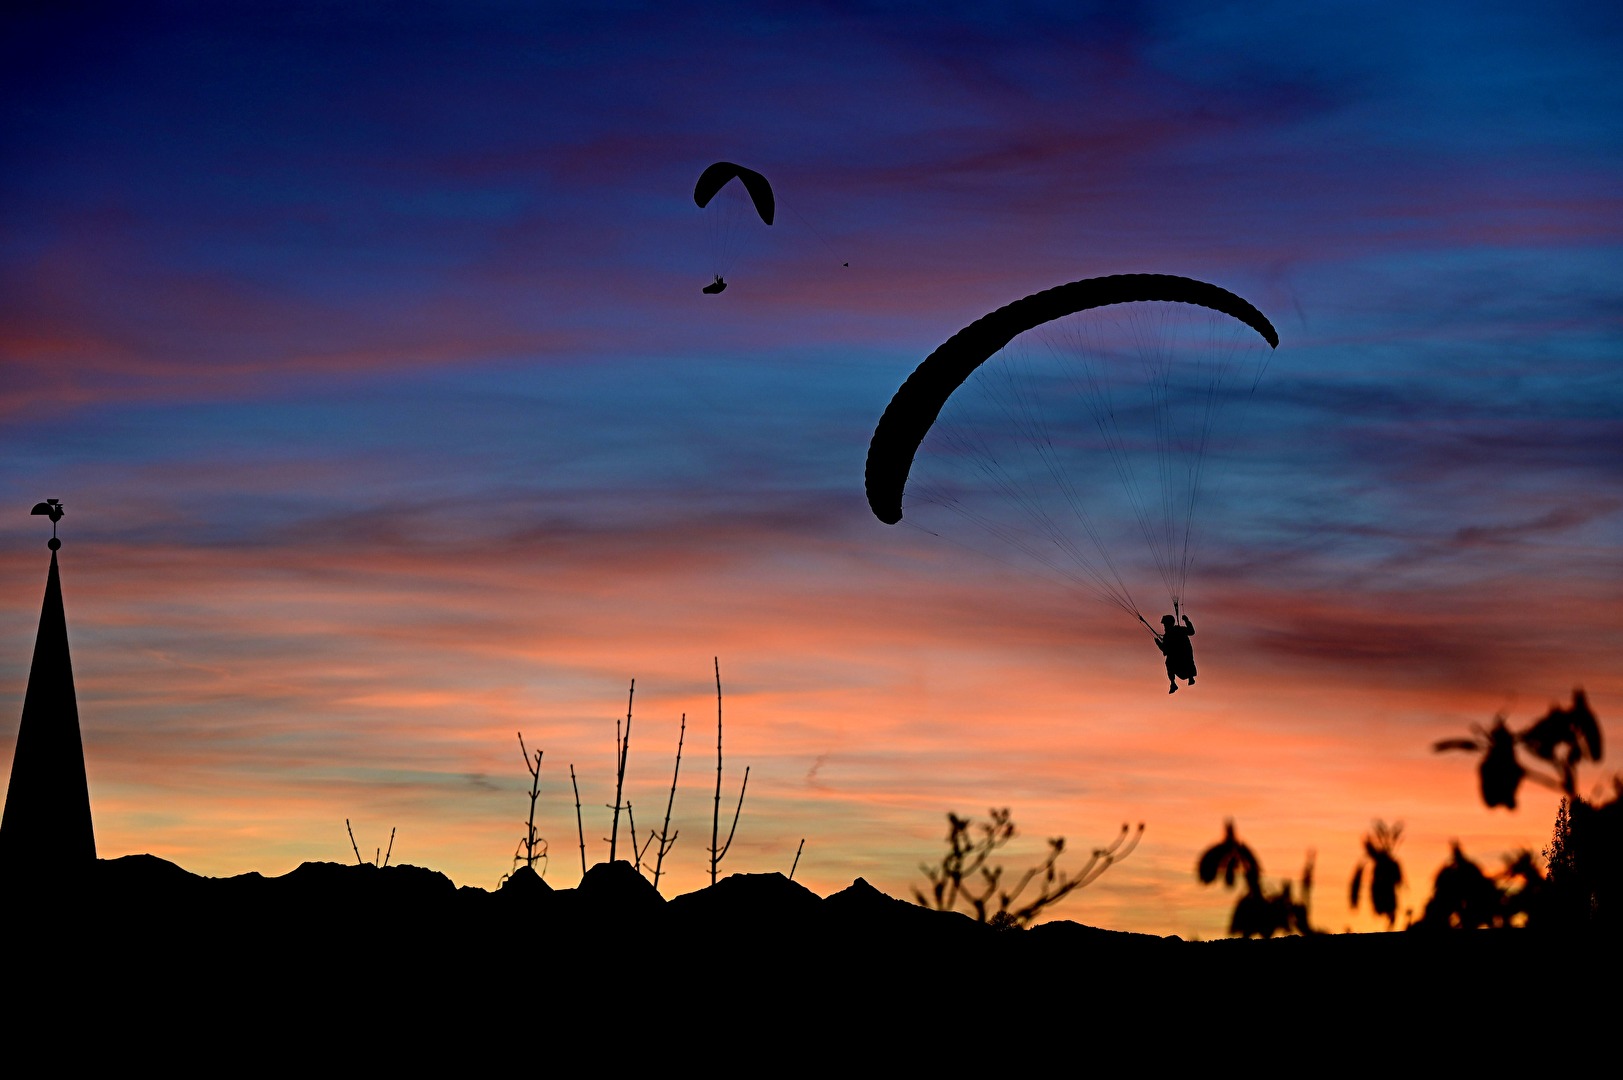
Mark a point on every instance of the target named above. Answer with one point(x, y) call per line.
point(525, 883)
point(615, 890)
point(418, 966)
point(749, 904)
point(47, 826)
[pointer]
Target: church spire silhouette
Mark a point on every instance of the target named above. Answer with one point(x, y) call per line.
point(47, 817)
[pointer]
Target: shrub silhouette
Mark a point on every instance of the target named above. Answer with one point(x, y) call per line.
point(1585, 857)
point(1463, 897)
point(1257, 912)
point(969, 849)
point(1580, 891)
point(1230, 858)
point(1385, 876)
point(1561, 738)
point(648, 854)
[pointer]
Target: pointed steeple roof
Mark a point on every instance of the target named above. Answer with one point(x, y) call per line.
point(47, 816)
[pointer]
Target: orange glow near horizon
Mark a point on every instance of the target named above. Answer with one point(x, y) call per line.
point(868, 708)
point(389, 425)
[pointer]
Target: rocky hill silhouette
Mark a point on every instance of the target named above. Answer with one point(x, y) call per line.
point(329, 947)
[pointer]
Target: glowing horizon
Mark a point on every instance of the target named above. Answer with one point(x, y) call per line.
point(390, 421)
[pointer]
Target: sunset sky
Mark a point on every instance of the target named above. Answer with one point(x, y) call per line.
point(365, 345)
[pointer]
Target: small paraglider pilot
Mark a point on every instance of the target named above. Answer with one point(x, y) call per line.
point(1173, 641)
point(715, 286)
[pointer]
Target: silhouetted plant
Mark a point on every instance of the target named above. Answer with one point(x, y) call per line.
point(667, 839)
point(717, 853)
point(1585, 884)
point(580, 829)
point(1525, 892)
point(1230, 858)
point(1567, 900)
point(1564, 737)
point(966, 859)
point(531, 847)
point(1257, 912)
point(636, 852)
point(1385, 875)
point(1585, 858)
point(622, 747)
point(1558, 856)
point(1561, 738)
point(968, 852)
point(1463, 897)
point(1500, 773)
point(376, 855)
point(796, 864)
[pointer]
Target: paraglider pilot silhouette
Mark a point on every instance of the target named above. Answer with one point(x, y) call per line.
point(715, 286)
point(1174, 643)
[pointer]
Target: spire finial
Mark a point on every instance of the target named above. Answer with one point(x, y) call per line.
point(53, 507)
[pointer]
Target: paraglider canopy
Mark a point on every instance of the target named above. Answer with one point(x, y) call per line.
point(919, 401)
point(1080, 451)
point(730, 220)
point(714, 178)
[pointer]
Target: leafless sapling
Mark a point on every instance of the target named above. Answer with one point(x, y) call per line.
point(580, 829)
point(378, 858)
point(796, 863)
point(637, 852)
point(622, 746)
point(531, 847)
point(667, 839)
point(717, 853)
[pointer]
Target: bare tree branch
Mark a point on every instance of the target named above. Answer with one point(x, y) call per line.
point(667, 839)
point(579, 828)
point(358, 860)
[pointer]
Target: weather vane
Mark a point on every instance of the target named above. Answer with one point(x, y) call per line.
point(53, 507)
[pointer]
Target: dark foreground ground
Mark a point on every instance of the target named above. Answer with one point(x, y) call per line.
point(359, 961)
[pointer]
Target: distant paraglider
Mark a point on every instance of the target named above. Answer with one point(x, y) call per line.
point(728, 220)
point(1041, 446)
